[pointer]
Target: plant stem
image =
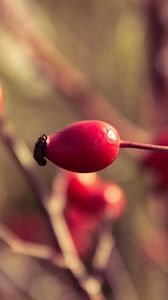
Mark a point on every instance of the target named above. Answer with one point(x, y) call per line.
point(52, 206)
point(127, 144)
point(90, 284)
point(40, 251)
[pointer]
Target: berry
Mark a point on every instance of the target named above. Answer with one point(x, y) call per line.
point(91, 195)
point(83, 224)
point(88, 200)
point(85, 146)
point(84, 192)
point(115, 200)
point(30, 226)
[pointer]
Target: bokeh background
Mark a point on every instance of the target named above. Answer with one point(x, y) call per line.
point(109, 43)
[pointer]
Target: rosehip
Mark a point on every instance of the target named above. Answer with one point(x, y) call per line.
point(85, 146)
point(115, 200)
point(30, 227)
point(91, 195)
point(84, 191)
point(88, 200)
point(83, 226)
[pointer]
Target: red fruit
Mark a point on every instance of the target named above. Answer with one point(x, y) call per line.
point(115, 200)
point(91, 195)
point(30, 227)
point(84, 192)
point(82, 226)
point(89, 199)
point(83, 147)
point(77, 218)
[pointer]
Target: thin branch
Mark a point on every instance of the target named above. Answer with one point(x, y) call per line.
point(22, 155)
point(116, 275)
point(76, 87)
point(39, 251)
point(89, 283)
point(104, 247)
point(119, 279)
point(52, 208)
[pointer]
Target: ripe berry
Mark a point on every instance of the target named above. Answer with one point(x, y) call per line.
point(83, 191)
point(30, 226)
point(115, 200)
point(88, 200)
point(91, 195)
point(85, 146)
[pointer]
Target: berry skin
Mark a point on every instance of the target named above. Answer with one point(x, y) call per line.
point(84, 192)
point(115, 200)
point(89, 199)
point(92, 196)
point(86, 146)
point(83, 226)
point(30, 226)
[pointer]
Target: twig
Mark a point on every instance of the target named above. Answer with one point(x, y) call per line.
point(22, 155)
point(52, 210)
point(65, 77)
point(31, 249)
point(119, 278)
point(107, 254)
point(104, 247)
point(89, 283)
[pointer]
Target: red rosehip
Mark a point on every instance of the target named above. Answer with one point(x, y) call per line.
point(83, 147)
point(78, 218)
point(83, 226)
point(30, 227)
point(89, 199)
point(91, 195)
point(84, 192)
point(86, 146)
point(115, 200)
point(82, 240)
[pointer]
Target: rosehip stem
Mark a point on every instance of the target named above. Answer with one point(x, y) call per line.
point(127, 144)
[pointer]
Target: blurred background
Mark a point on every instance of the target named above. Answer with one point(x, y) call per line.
point(65, 61)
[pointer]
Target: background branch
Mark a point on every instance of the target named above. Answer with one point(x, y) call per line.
point(65, 77)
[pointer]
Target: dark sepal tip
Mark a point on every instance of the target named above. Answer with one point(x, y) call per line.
point(40, 149)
